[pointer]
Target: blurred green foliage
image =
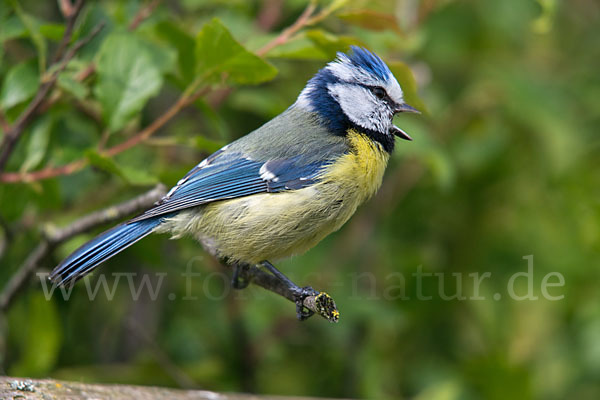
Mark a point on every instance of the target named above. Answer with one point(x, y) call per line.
point(504, 164)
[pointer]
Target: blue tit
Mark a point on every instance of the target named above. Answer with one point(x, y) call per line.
point(282, 188)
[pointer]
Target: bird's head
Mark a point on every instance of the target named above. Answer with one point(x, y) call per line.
point(357, 90)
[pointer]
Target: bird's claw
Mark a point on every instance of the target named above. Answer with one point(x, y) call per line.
point(302, 312)
point(240, 278)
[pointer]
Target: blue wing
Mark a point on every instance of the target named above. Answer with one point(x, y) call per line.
point(227, 175)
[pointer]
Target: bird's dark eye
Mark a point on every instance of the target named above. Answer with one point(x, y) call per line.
point(379, 92)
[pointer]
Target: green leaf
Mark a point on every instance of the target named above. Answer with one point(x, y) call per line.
point(138, 176)
point(207, 145)
point(94, 14)
point(21, 83)
point(184, 43)
point(130, 175)
point(52, 31)
point(41, 338)
point(543, 23)
point(409, 86)
point(370, 19)
point(219, 55)
point(299, 48)
point(38, 142)
point(11, 28)
point(66, 82)
point(102, 162)
point(329, 43)
point(32, 26)
point(254, 100)
point(130, 71)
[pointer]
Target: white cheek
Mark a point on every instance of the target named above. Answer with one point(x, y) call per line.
point(361, 107)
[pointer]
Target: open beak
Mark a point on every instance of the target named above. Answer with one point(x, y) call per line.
point(400, 133)
point(405, 108)
point(400, 108)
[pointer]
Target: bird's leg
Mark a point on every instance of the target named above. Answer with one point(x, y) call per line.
point(241, 277)
point(308, 301)
point(299, 293)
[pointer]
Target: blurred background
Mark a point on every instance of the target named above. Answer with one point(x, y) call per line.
point(504, 165)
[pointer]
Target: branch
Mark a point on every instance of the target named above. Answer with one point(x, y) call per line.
point(185, 100)
point(305, 19)
point(19, 388)
point(84, 74)
point(269, 14)
point(321, 304)
point(14, 133)
point(5, 236)
point(19, 279)
point(52, 237)
point(287, 33)
point(143, 13)
point(67, 169)
point(71, 12)
point(91, 67)
point(4, 125)
point(66, 8)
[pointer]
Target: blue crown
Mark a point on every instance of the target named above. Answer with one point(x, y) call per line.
point(368, 61)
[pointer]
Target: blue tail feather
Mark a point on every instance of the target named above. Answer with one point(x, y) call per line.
point(83, 260)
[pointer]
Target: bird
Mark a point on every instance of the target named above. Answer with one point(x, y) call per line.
point(282, 188)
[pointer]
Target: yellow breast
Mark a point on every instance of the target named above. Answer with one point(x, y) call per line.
point(361, 170)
